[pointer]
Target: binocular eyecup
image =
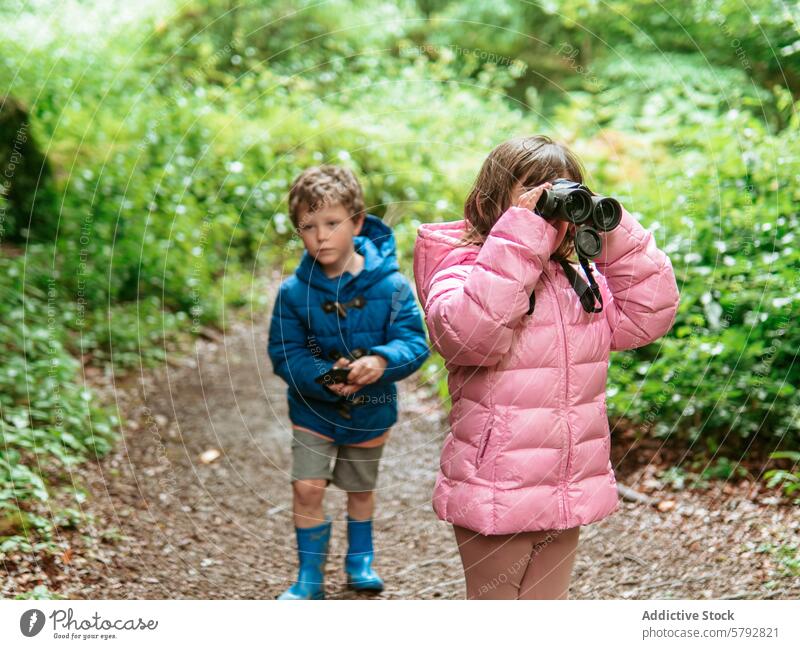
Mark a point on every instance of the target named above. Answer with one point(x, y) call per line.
point(575, 203)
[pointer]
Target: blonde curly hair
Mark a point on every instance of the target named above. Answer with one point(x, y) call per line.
point(325, 185)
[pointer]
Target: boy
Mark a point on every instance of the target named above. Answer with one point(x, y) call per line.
point(346, 308)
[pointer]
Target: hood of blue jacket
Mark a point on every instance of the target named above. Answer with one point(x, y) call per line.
point(375, 242)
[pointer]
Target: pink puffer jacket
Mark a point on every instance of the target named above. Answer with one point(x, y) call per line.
point(529, 443)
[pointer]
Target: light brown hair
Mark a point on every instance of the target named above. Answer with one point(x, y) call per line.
point(530, 160)
point(325, 185)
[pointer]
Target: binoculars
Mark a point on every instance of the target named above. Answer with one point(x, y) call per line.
point(570, 201)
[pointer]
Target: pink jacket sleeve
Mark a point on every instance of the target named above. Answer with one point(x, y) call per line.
point(640, 294)
point(474, 306)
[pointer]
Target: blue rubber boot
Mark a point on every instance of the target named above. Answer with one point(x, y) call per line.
point(312, 550)
point(360, 554)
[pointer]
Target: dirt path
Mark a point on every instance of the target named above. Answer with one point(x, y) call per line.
point(173, 526)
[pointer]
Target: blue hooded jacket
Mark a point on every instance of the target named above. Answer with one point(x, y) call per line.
point(376, 313)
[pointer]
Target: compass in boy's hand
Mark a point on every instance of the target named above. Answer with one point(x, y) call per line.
point(333, 375)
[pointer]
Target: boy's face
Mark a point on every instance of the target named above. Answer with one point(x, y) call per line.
point(328, 234)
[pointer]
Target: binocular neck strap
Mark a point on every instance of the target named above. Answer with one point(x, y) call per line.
point(595, 288)
point(589, 294)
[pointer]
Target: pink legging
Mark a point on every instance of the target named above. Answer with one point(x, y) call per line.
point(526, 565)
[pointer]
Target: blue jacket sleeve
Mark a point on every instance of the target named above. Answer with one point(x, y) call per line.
point(406, 348)
point(292, 358)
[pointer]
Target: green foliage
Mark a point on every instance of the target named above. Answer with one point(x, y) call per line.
point(39, 592)
point(48, 421)
point(787, 556)
point(560, 39)
point(725, 209)
point(787, 479)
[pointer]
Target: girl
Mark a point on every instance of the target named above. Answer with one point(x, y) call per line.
point(527, 459)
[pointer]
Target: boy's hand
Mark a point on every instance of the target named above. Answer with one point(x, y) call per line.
point(367, 369)
point(363, 371)
point(344, 389)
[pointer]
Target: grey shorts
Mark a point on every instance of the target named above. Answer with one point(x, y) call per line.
point(354, 468)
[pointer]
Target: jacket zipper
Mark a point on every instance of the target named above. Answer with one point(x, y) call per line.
point(484, 441)
point(566, 401)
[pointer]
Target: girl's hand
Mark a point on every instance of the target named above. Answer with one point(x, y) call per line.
point(530, 198)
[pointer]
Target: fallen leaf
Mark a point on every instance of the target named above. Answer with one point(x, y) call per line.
point(208, 456)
